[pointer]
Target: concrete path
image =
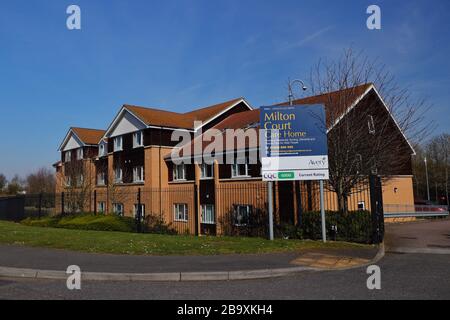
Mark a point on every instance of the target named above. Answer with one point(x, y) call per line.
point(430, 236)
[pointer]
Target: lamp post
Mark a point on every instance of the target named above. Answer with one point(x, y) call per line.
point(426, 176)
point(290, 84)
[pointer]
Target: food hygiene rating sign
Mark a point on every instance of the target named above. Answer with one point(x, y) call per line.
point(293, 143)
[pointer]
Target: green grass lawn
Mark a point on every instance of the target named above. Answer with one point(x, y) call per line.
point(149, 244)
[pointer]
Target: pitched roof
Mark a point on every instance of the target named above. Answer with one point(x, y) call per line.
point(163, 118)
point(336, 102)
point(88, 136)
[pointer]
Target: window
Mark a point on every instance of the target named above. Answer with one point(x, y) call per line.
point(80, 154)
point(118, 175)
point(207, 171)
point(80, 180)
point(137, 139)
point(361, 205)
point(179, 172)
point(68, 156)
point(101, 178)
point(239, 170)
point(101, 207)
point(135, 211)
point(102, 150)
point(68, 181)
point(118, 143)
point(242, 214)
point(138, 174)
point(181, 212)
point(118, 209)
point(208, 215)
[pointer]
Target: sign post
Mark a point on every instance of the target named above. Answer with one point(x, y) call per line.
point(293, 147)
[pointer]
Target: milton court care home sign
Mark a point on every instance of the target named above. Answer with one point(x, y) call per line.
point(293, 143)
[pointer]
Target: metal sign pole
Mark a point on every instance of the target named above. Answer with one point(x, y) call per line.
point(270, 202)
point(322, 212)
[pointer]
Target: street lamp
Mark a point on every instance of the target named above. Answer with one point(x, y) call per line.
point(426, 175)
point(290, 84)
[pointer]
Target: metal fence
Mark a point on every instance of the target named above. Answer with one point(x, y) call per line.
point(232, 208)
point(415, 211)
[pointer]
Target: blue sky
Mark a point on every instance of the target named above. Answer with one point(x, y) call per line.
point(179, 55)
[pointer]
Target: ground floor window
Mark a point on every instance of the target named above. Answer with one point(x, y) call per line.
point(101, 207)
point(118, 209)
point(208, 214)
point(361, 205)
point(242, 214)
point(135, 211)
point(180, 212)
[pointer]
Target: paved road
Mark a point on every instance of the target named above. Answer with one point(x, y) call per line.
point(403, 276)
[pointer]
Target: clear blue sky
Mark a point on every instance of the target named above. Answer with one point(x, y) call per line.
point(184, 54)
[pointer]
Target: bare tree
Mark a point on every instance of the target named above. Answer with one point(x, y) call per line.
point(16, 185)
point(3, 182)
point(365, 139)
point(42, 181)
point(78, 182)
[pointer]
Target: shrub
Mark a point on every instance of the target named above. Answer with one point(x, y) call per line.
point(85, 222)
point(155, 224)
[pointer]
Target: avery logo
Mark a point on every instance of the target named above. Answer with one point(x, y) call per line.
point(322, 163)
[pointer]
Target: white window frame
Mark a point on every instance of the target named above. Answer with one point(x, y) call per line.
point(204, 171)
point(102, 150)
point(115, 209)
point(176, 173)
point(101, 178)
point(118, 146)
point(363, 203)
point(68, 181)
point(80, 181)
point(120, 178)
point(208, 218)
point(68, 156)
point(138, 144)
point(177, 213)
point(80, 154)
point(101, 207)
point(236, 209)
point(140, 170)
point(235, 169)
point(135, 207)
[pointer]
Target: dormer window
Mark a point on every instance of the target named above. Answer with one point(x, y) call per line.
point(102, 150)
point(138, 140)
point(118, 145)
point(67, 156)
point(80, 154)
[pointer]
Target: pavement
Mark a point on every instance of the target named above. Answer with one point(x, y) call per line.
point(423, 236)
point(44, 263)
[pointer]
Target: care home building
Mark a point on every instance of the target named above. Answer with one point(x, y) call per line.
point(131, 165)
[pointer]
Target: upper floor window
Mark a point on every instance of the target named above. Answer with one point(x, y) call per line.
point(101, 178)
point(67, 156)
point(179, 172)
point(138, 140)
point(371, 124)
point(239, 170)
point(138, 174)
point(118, 143)
point(207, 171)
point(118, 175)
point(80, 154)
point(102, 150)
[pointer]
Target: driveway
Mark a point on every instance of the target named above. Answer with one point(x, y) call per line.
point(419, 237)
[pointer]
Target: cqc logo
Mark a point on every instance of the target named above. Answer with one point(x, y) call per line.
point(287, 175)
point(270, 176)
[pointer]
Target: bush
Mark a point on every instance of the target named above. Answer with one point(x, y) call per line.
point(85, 222)
point(155, 224)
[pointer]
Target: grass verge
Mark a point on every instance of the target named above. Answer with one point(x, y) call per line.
point(150, 244)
